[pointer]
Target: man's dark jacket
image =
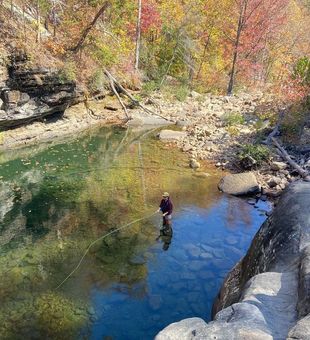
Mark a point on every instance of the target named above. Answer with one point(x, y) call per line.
point(166, 206)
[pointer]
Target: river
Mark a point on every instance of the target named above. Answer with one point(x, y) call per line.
point(56, 198)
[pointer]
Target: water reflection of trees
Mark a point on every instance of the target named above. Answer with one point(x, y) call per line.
point(85, 189)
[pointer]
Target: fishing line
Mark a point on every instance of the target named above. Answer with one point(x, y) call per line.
point(99, 239)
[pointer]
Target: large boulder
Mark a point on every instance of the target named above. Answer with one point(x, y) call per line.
point(301, 331)
point(265, 312)
point(267, 294)
point(140, 119)
point(29, 93)
point(239, 184)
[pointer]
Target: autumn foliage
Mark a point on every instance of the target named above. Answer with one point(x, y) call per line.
point(209, 45)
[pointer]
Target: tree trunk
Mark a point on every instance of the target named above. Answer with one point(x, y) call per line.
point(236, 47)
point(138, 35)
point(38, 39)
point(204, 53)
point(24, 23)
point(77, 47)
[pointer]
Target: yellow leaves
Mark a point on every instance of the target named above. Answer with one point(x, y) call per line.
point(172, 12)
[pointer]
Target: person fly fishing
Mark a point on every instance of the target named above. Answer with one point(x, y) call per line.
point(166, 207)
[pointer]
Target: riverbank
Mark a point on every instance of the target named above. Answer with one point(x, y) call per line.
point(74, 120)
point(213, 128)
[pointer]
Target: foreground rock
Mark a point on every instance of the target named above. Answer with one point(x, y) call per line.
point(266, 295)
point(29, 93)
point(266, 311)
point(239, 184)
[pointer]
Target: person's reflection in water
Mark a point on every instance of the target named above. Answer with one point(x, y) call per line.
point(166, 236)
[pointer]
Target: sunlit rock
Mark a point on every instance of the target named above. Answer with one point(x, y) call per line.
point(239, 184)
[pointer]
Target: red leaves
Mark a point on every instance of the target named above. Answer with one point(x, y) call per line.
point(150, 19)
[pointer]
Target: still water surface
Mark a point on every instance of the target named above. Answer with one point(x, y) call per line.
point(57, 198)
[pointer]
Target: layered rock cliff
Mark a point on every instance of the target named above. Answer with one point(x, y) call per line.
point(267, 294)
point(30, 93)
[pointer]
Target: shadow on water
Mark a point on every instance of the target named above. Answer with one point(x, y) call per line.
point(57, 198)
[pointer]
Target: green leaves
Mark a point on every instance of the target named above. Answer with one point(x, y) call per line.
point(302, 70)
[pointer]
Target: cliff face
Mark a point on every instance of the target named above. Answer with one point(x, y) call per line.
point(28, 94)
point(267, 294)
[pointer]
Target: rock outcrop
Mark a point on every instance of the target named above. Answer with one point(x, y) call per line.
point(267, 294)
point(28, 94)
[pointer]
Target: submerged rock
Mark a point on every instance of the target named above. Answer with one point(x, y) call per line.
point(194, 164)
point(239, 184)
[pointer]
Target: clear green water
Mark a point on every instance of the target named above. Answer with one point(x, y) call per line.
point(56, 199)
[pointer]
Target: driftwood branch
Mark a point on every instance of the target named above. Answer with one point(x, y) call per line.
point(126, 93)
point(302, 172)
point(111, 80)
point(102, 9)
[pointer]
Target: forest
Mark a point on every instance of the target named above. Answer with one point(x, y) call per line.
point(206, 45)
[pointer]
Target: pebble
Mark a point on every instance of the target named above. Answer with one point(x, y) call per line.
point(263, 198)
point(252, 201)
point(206, 256)
point(231, 240)
point(194, 164)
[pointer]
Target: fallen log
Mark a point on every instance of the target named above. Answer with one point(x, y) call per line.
point(302, 172)
point(114, 82)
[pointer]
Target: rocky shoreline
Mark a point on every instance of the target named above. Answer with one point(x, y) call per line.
point(74, 120)
point(208, 135)
point(204, 132)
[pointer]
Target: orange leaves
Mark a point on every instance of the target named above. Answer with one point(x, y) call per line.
point(54, 47)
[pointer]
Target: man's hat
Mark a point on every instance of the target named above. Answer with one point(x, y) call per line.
point(165, 194)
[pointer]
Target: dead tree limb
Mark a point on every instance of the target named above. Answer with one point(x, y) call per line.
point(302, 172)
point(77, 47)
point(111, 80)
point(126, 93)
